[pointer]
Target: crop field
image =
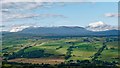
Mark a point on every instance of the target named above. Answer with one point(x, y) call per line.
point(57, 50)
point(38, 60)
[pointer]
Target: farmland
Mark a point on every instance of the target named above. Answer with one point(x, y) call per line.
point(81, 48)
point(58, 50)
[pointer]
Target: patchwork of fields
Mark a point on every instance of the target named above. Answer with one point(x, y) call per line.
point(57, 50)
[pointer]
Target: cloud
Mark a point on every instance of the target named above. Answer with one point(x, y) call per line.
point(20, 27)
point(100, 26)
point(10, 17)
point(22, 6)
point(20, 10)
point(112, 15)
point(45, 1)
point(2, 28)
point(96, 24)
point(60, 0)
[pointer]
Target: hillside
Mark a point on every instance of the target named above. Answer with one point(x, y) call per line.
point(66, 31)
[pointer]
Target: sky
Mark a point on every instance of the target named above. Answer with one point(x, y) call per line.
point(15, 14)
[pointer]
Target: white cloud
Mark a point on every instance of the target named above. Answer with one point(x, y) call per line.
point(13, 10)
point(18, 28)
point(2, 28)
point(60, 0)
point(100, 26)
point(112, 15)
point(45, 1)
point(95, 24)
point(10, 17)
point(22, 6)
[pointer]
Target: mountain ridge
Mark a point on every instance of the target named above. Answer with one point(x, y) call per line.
point(66, 31)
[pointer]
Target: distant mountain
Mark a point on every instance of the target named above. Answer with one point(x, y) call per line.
point(97, 26)
point(107, 33)
point(57, 31)
point(100, 26)
point(96, 29)
point(66, 31)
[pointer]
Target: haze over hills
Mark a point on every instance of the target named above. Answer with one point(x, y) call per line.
point(97, 28)
point(64, 31)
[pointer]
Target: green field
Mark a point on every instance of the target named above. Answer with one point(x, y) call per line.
point(74, 48)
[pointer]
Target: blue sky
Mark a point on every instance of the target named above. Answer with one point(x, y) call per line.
point(59, 14)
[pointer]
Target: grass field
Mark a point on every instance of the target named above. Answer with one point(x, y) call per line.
point(81, 48)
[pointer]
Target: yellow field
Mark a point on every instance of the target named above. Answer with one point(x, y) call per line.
point(38, 60)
